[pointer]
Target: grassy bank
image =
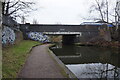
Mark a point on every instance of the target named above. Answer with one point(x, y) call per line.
point(14, 57)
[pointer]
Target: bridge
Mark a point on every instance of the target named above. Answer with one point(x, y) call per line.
point(61, 28)
point(69, 32)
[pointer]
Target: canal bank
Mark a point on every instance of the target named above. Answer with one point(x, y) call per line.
point(42, 63)
point(112, 44)
point(65, 71)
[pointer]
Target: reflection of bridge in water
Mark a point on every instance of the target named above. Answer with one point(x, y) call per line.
point(71, 54)
point(70, 33)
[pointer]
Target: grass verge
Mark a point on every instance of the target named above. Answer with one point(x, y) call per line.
point(14, 57)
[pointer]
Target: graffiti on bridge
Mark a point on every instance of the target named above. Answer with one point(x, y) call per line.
point(38, 36)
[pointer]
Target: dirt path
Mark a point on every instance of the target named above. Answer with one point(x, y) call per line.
point(40, 65)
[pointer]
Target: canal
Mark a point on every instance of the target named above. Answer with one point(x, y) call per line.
point(89, 61)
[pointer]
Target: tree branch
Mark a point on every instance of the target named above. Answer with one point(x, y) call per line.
point(102, 18)
point(14, 4)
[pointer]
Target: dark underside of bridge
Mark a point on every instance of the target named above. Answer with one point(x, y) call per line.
point(68, 39)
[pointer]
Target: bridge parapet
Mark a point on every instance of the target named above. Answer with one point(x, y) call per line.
point(61, 28)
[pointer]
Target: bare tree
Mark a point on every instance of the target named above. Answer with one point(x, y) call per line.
point(23, 19)
point(35, 21)
point(102, 7)
point(117, 14)
point(117, 21)
point(108, 14)
point(16, 8)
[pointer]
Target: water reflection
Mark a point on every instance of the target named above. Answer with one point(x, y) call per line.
point(90, 61)
point(95, 70)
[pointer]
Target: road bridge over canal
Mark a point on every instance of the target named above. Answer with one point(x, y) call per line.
point(69, 32)
point(61, 28)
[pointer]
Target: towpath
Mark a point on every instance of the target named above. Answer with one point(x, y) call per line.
point(40, 64)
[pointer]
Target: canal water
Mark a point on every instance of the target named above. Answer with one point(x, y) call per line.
point(89, 61)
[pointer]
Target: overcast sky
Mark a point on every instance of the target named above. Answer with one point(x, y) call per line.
point(60, 11)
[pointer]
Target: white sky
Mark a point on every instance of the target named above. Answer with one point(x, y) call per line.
point(60, 11)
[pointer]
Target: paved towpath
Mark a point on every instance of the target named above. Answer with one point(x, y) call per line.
point(40, 65)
